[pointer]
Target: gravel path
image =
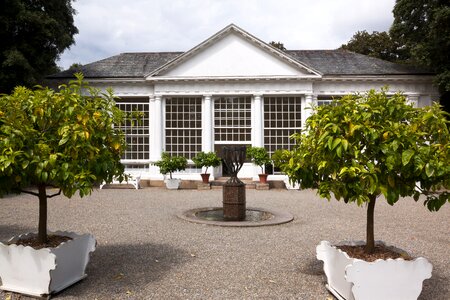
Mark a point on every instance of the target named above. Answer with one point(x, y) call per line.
point(146, 252)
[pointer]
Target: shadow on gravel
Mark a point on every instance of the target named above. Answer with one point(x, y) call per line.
point(436, 287)
point(8, 231)
point(119, 271)
point(312, 266)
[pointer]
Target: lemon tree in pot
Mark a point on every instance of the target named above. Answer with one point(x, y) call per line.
point(206, 159)
point(364, 149)
point(260, 157)
point(63, 140)
point(170, 164)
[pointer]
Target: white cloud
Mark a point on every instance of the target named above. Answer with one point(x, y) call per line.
point(109, 27)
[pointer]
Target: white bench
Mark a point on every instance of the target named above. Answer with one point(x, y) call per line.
point(132, 179)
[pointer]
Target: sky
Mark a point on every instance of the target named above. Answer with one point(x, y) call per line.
point(111, 27)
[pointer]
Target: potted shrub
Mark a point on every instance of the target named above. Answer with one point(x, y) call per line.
point(206, 159)
point(170, 164)
point(260, 157)
point(60, 139)
point(364, 149)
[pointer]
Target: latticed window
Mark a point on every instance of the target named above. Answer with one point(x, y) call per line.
point(136, 132)
point(184, 126)
point(232, 119)
point(282, 118)
point(326, 100)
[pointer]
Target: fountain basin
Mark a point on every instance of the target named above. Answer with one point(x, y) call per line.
point(254, 217)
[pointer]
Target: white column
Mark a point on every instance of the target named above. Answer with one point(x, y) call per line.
point(257, 126)
point(307, 102)
point(414, 100)
point(207, 130)
point(156, 130)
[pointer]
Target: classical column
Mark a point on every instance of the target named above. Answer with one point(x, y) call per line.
point(307, 102)
point(207, 126)
point(257, 126)
point(414, 100)
point(156, 130)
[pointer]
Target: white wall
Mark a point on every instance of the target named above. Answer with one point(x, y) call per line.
point(233, 56)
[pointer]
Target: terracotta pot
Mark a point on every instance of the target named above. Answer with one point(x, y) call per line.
point(263, 178)
point(205, 177)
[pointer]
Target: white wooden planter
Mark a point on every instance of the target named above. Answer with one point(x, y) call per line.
point(351, 278)
point(45, 271)
point(173, 184)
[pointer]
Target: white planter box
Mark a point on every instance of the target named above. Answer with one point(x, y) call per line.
point(45, 271)
point(351, 278)
point(173, 184)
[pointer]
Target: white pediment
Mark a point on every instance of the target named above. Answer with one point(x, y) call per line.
point(233, 54)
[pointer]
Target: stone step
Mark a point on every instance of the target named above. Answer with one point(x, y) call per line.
point(220, 181)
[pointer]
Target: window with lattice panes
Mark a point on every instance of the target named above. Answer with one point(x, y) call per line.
point(136, 132)
point(183, 126)
point(232, 119)
point(282, 118)
point(326, 99)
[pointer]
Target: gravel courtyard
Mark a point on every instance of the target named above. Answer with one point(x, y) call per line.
point(145, 252)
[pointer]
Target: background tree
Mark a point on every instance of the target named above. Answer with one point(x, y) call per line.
point(33, 34)
point(362, 147)
point(419, 35)
point(63, 139)
point(422, 28)
point(278, 45)
point(375, 44)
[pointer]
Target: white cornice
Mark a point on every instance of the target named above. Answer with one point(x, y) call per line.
point(378, 78)
point(233, 78)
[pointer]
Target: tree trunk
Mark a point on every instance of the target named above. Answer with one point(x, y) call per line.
point(42, 231)
point(370, 237)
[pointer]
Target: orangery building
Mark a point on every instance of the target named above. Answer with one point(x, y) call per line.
point(234, 89)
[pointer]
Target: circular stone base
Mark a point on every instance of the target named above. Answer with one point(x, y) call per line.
point(254, 217)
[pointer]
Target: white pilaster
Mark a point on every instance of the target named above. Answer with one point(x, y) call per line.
point(257, 125)
point(307, 102)
point(156, 130)
point(414, 100)
point(207, 130)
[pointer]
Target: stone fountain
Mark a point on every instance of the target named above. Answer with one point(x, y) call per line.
point(234, 211)
point(234, 206)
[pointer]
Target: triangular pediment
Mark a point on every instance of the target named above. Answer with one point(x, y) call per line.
point(233, 53)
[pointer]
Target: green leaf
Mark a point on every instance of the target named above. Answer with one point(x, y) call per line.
point(63, 140)
point(345, 144)
point(336, 142)
point(429, 170)
point(406, 156)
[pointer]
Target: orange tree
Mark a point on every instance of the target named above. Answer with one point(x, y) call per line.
point(363, 146)
point(62, 139)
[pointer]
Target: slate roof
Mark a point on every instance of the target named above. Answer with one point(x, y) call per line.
point(327, 62)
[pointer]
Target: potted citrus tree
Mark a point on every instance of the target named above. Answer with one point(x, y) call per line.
point(206, 160)
point(364, 149)
point(63, 140)
point(170, 164)
point(260, 157)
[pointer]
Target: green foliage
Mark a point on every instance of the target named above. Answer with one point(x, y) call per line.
point(33, 35)
point(422, 28)
point(278, 45)
point(375, 44)
point(64, 139)
point(368, 145)
point(168, 164)
point(259, 156)
point(206, 159)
